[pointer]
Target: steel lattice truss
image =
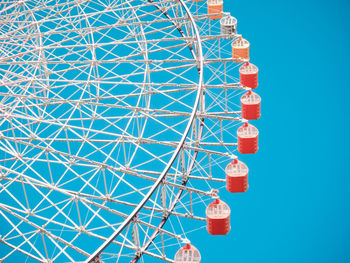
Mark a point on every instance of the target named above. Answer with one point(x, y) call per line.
point(117, 119)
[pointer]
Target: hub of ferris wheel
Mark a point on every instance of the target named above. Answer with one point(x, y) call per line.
point(120, 122)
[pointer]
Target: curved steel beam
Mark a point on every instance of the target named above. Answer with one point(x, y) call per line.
point(184, 182)
point(177, 151)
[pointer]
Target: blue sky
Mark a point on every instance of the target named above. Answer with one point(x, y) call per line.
point(297, 208)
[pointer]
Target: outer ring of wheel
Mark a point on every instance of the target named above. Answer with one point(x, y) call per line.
point(199, 94)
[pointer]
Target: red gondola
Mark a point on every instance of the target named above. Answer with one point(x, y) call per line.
point(236, 177)
point(188, 254)
point(247, 139)
point(218, 218)
point(250, 103)
point(248, 74)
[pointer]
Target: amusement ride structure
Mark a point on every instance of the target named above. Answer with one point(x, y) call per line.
point(121, 121)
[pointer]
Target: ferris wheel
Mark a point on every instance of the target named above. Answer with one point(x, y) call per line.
point(121, 122)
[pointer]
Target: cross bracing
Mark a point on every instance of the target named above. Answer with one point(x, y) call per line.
point(106, 105)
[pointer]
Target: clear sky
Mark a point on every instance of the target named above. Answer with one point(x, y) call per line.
point(298, 206)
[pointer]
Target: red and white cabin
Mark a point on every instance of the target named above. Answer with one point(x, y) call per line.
point(236, 177)
point(218, 218)
point(215, 7)
point(247, 139)
point(240, 50)
point(248, 75)
point(250, 104)
point(188, 254)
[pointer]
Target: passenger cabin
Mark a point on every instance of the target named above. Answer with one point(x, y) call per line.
point(240, 50)
point(188, 254)
point(247, 139)
point(215, 7)
point(228, 25)
point(250, 106)
point(248, 75)
point(236, 177)
point(218, 218)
